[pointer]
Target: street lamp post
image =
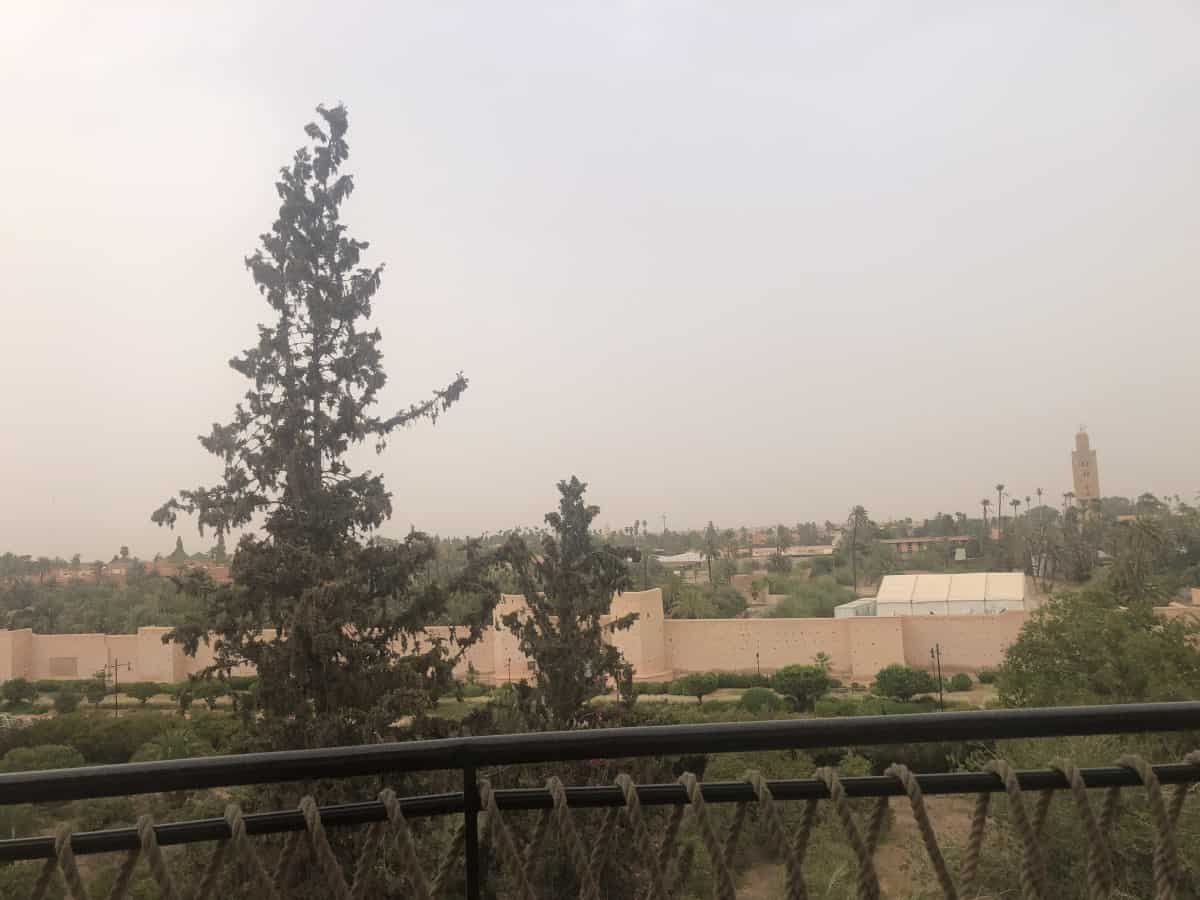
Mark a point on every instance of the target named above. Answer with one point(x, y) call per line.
point(935, 653)
point(115, 667)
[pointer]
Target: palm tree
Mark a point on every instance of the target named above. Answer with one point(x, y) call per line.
point(858, 516)
point(1000, 508)
point(1015, 503)
point(1067, 498)
point(712, 547)
point(1028, 502)
point(1039, 493)
point(985, 503)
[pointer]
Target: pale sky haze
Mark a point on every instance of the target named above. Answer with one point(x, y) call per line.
point(747, 262)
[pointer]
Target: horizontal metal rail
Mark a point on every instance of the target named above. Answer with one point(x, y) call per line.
point(589, 797)
point(604, 743)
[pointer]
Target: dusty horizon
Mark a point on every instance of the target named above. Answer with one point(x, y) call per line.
point(747, 269)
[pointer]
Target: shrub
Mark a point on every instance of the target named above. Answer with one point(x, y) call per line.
point(209, 690)
point(18, 690)
point(760, 699)
point(986, 676)
point(696, 684)
point(178, 743)
point(960, 682)
point(44, 756)
point(474, 689)
point(95, 692)
point(830, 707)
point(902, 682)
point(92, 815)
point(779, 563)
point(47, 685)
point(141, 691)
point(804, 683)
point(66, 702)
point(741, 680)
point(652, 687)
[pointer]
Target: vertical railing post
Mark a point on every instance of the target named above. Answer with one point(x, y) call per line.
point(471, 831)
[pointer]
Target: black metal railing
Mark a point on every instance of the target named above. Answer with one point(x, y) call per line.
point(469, 754)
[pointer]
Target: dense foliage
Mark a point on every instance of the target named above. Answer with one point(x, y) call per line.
point(1088, 646)
point(330, 618)
point(903, 682)
point(568, 588)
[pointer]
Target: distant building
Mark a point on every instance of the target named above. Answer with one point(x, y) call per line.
point(971, 593)
point(910, 545)
point(692, 559)
point(796, 552)
point(1084, 469)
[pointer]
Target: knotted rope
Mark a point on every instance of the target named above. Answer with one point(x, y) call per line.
point(642, 840)
point(1166, 856)
point(921, 815)
point(725, 888)
point(793, 851)
point(589, 889)
point(662, 862)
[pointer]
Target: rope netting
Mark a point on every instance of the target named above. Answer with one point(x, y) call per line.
point(657, 844)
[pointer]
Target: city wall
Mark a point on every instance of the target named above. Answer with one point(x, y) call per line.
point(657, 647)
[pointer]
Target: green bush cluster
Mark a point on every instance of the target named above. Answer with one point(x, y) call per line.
point(695, 684)
point(902, 682)
point(804, 684)
point(652, 687)
point(960, 682)
point(986, 676)
point(741, 680)
point(761, 699)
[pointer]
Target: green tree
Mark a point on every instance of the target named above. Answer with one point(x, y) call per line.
point(66, 701)
point(141, 691)
point(695, 684)
point(178, 555)
point(1094, 646)
point(783, 539)
point(568, 588)
point(804, 683)
point(95, 692)
point(331, 620)
point(902, 682)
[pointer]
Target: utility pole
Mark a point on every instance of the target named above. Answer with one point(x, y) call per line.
point(935, 653)
point(115, 667)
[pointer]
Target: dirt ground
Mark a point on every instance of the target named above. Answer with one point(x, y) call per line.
point(901, 861)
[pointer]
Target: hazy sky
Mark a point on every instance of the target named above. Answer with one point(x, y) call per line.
point(747, 262)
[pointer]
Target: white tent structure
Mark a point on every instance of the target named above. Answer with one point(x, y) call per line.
point(970, 593)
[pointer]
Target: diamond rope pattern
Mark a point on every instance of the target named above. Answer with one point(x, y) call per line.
point(665, 864)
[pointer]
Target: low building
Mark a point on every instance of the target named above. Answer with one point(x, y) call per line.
point(911, 545)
